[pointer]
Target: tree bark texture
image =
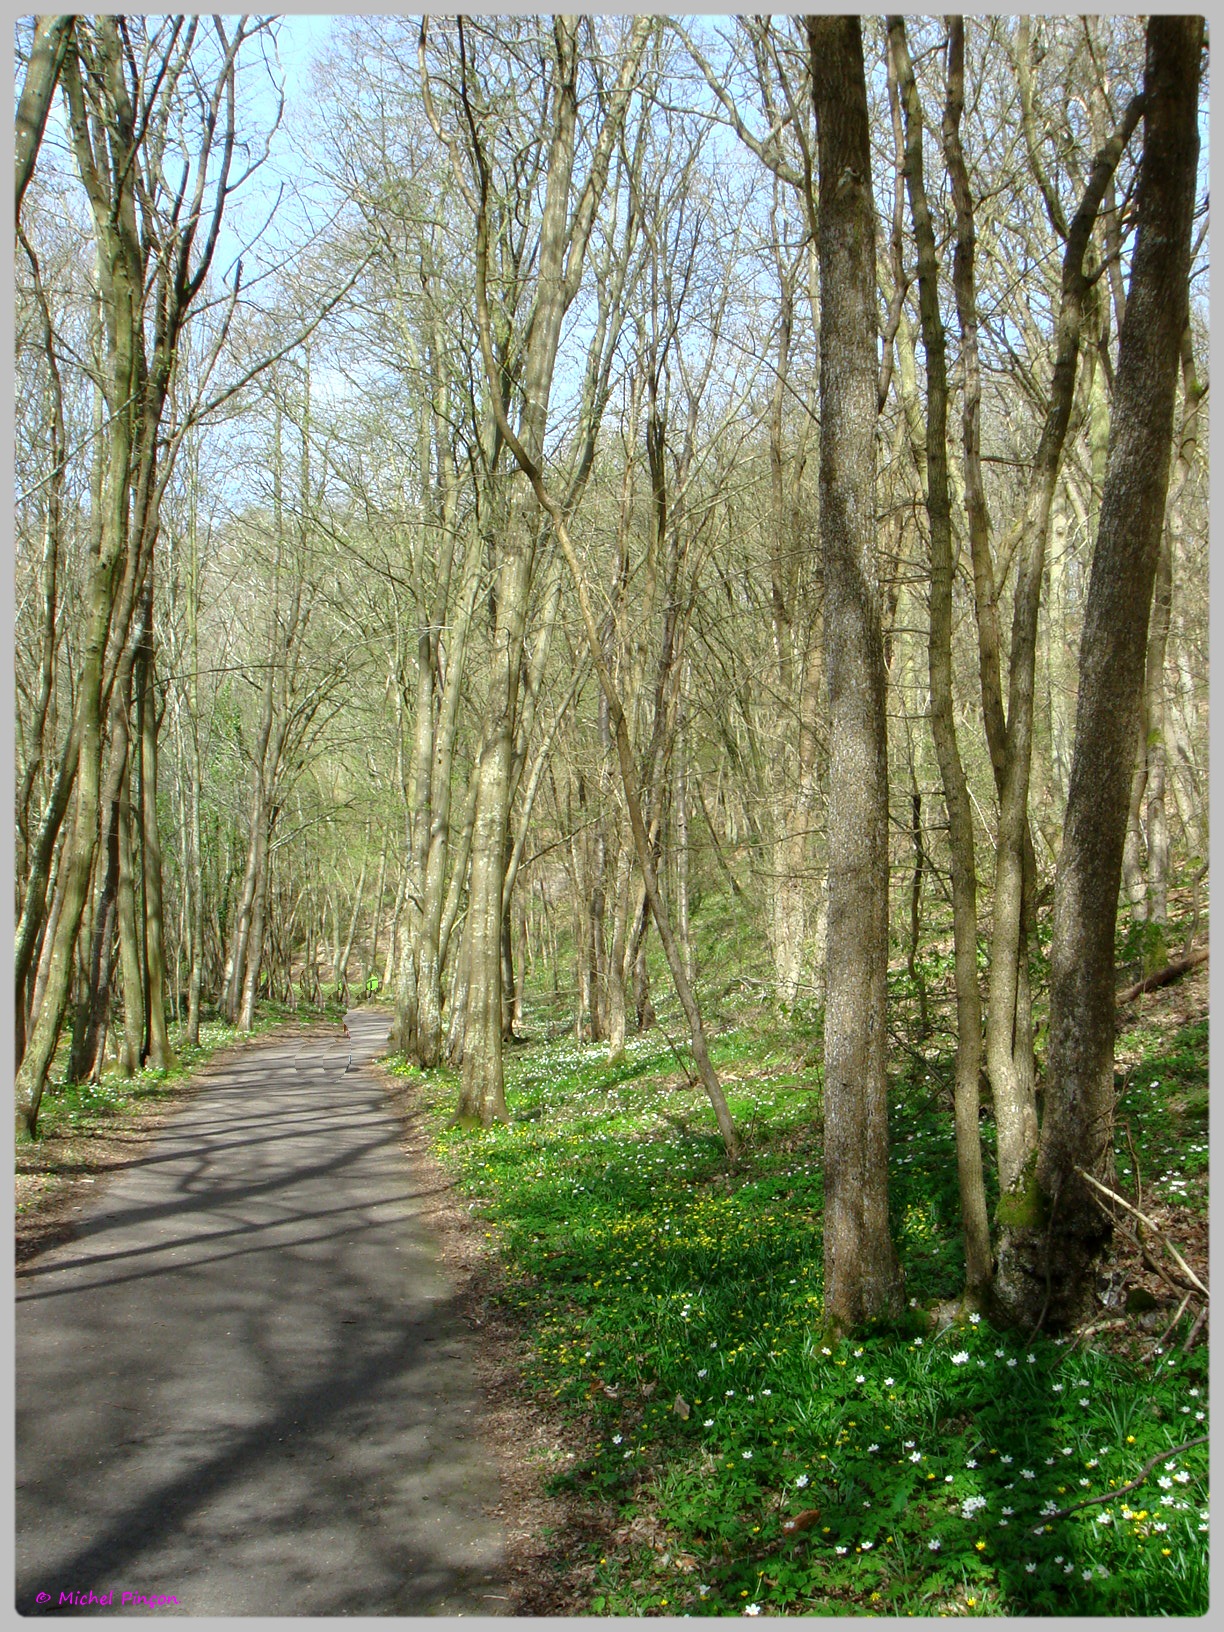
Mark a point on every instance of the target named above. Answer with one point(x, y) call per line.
point(862, 1275)
point(52, 36)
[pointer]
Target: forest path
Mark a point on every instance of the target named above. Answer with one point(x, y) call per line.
point(242, 1383)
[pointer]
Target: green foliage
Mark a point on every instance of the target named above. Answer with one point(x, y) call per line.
point(675, 1313)
point(1145, 947)
point(1163, 1105)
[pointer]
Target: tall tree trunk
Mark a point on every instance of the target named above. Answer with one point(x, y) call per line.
point(684, 929)
point(978, 1262)
point(371, 968)
point(520, 988)
point(160, 1053)
point(196, 892)
point(389, 966)
point(129, 941)
point(615, 990)
point(1055, 1229)
point(77, 864)
point(355, 916)
point(862, 1275)
point(255, 939)
point(482, 1095)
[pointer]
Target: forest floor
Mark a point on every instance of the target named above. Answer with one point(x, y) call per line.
point(675, 1439)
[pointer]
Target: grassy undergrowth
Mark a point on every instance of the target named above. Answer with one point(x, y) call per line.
point(674, 1313)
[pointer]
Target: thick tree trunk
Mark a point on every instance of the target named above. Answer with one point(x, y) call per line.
point(482, 1096)
point(862, 1275)
point(1055, 1229)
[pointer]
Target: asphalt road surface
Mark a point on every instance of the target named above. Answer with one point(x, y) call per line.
point(242, 1386)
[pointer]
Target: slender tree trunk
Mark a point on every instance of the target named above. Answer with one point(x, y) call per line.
point(42, 968)
point(978, 1262)
point(615, 989)
point(255, 939)
point(129, 945)
point(393, 940)
point(52, 37)
point(355, 916)
point(236, 961)
point(643, 1006)
point(376, 922)
point(196, 885)
point(520, 989)
point(680, 812)
point(194, 859)
point(1055, 1229)
point(93, 1014)
point(161, 1054)
point(596, 959)
point(1154, 711)
point(1132, 848)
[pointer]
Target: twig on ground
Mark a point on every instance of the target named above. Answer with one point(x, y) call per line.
point(1170, 1328)
point(1173, 1282)
point(1195, 1330)
point(1094, 1326)
point(1112, 1495)
point(1143, 1219)
point(1164, 977)
point(1134, 1158)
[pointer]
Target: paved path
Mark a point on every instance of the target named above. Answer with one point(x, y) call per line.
point(243, 1384)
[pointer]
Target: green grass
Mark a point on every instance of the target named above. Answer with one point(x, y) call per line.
point(1164, 1102)
point(674, 1313)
